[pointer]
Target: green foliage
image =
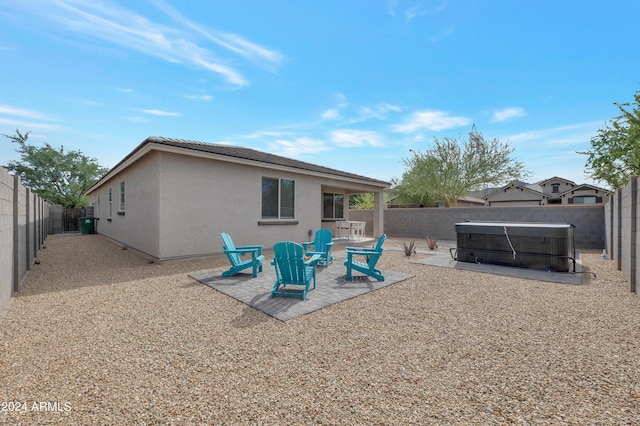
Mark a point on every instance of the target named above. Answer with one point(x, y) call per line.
point(615, 151)
point(450, 169)
point(57, 176)
point(361, 201)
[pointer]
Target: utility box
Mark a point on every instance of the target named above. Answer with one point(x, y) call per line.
point(546, 246)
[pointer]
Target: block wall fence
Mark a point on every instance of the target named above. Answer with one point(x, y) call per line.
point(416, 223)
point(621, 218)
point(24, 226)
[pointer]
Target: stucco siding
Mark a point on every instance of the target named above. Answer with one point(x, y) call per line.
point(515, 197)
point(200, 198)
point(137, 225)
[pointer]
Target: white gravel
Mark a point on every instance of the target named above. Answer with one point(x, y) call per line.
point(98, 336)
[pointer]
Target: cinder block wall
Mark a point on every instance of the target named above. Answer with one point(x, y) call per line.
point(440, 223)
point(23, 229)
point(623, 223)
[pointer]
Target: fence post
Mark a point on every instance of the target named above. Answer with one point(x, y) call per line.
point(612, 211)
point(634, 217)
point(16, 233)
point(619, 232)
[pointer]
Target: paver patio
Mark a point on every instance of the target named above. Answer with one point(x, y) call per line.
point(331, 287)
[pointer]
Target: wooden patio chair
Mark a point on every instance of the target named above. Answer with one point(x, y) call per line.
point(322, 245)
point(234, 254)
point(371, 256)
point(292, 270)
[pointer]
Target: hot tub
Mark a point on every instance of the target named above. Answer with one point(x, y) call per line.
point(546, 246)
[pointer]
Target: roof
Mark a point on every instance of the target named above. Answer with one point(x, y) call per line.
point(542, 182)
point(235, 153)
point(515, 185)
point(583, 187)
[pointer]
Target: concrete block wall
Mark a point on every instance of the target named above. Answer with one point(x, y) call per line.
point(6, 237)
point(440, 223)
point(623, 223)
point(23, 229)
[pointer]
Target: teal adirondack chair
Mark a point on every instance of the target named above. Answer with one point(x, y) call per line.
point(234, 254)
point(292, 270)
point(322, 245)
point(371, 256)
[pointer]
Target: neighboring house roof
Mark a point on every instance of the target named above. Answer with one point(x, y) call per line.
point(230, 153)
point(542, 182)
point(515, 185)
point(583, 187)
point(470, 199)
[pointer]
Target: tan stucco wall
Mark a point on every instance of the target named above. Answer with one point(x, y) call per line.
point(584, 192)
point(200, 198)
point(515, 197)
point(563, 186)
point(137, 228)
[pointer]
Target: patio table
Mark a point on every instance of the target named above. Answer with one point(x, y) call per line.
point(350, 228)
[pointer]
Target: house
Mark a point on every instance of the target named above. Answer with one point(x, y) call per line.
point(555, 190)
point(171, 198)
point(515, 194)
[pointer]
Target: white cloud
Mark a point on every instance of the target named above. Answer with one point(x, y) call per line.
point(21, 112)
point(233, 42)
point(179, 43)
point(506, 114)
point(16, 117)
point(431, 120)
point(379, 112)
point(564, 135)
point(200, 97)
point(266, 134)
point(413, 11)
point(160, 112)
point(331, 114)
point(17, 124)
point(354, 138)
point(296, 147)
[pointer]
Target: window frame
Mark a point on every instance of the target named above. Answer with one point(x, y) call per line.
point(122, 196)
point(334, 196)
point(582, 199)
point(286, 199)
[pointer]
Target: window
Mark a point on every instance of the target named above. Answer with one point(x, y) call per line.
point(332, 206)
point(555, 188)
point(122, 196)
point(278, 198)
point(584, 200)
point(110, 199)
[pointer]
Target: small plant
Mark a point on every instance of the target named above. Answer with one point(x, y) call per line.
point(432, 242)
point(409, 248)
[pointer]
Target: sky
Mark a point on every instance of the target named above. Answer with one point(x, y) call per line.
point(353, 85)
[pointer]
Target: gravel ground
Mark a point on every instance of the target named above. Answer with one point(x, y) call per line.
point(99, 336)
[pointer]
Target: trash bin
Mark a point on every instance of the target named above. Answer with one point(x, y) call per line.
point(87, 225)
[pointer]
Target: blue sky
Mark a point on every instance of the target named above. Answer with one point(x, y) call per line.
point(348, 84)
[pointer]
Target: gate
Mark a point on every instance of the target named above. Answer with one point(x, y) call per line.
point(71, 219)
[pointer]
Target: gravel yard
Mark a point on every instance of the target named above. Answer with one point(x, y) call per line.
point(99, 336)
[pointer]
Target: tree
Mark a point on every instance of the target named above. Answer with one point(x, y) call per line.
point(55, 175)
point(361, 201)
point(451, 169)
point(615, 151)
